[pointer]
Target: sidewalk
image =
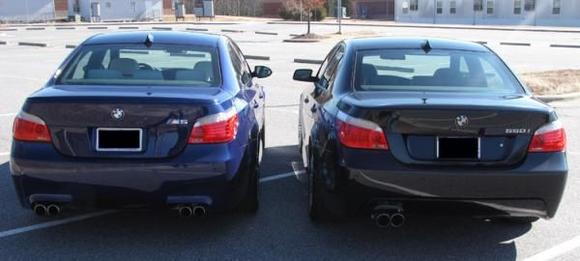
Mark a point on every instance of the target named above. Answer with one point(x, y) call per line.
point(524, 28)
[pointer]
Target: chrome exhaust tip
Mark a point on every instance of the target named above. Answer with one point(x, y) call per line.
point(185, 211)
point(199, 211)
point(382, 220)
point(40, 210)
point(397, 220)
point(53, 210)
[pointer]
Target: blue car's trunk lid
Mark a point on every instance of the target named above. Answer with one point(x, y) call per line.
point(164, 115)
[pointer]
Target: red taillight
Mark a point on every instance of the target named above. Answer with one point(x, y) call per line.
point(360, 134)
point(550, 138)
point(216, 128)
point(28, 127)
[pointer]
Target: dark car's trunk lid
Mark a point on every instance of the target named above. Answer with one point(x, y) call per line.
point(163, 115)
point(452, 129)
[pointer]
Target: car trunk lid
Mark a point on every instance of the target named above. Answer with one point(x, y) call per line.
point(452, 129)
point(162, 116)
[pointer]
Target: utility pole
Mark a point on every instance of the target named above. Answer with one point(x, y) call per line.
point(339, 15)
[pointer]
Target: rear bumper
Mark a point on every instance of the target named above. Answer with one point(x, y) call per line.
point(201, 174)
point(533, 188)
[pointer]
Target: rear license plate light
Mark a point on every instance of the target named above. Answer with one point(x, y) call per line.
point(458, 148)
point(122, 140)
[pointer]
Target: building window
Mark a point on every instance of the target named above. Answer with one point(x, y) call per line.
point(556, 7)
point(490, 6)
point(452, 7)
point(517, 6)
point(414, 6)
point(478, 5)
point(439, 6)
point(405, 6)
point(530, 5)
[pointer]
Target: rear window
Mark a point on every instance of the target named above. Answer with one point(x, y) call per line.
point(159, 65)
point(437, 71)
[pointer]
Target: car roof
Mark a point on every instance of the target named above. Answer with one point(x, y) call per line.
point(414, 43)
point(162, 37)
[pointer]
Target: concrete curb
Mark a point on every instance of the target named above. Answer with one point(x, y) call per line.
point(232, 31)
point(266, 33)
point(32, 44)
point(65, 28)
point(162, 28)
point(480, 42)
point(559, 97)
point(70, 46)
point(301, 40)
point(8, 29)
point(257, 57)
point(515, 44)
point(197, 29)
point(564, 46)
point(97, 27)
point(35, 29)
point(307, 61)
point(128, 27)
point(2, 43)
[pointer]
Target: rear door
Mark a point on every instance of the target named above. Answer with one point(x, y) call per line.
point(313, 99)
point(253, 93)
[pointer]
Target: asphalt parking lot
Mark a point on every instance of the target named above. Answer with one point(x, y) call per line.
point(281, 229)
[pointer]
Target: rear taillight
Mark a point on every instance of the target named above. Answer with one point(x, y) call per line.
point(28, 127)
point(549, 138)
point(216, 128)
point(360, 134)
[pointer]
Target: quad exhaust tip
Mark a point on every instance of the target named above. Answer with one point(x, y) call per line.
point(44, 210)
point(195, 211)
point(386, 216)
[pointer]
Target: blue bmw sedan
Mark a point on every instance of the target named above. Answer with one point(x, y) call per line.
point(397, 126)
point(147, 119)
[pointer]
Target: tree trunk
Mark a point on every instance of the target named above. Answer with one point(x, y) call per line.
point(309, 14)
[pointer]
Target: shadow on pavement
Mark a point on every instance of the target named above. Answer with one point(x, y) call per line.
point(280, 230)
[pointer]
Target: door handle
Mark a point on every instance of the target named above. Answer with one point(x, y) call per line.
point(313, 109)
point(256, 105)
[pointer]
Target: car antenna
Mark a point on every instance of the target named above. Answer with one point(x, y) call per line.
point(149, 40)
point(426, 46)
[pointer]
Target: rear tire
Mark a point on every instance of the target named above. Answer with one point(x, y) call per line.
point(320, 209)
point(251, 203)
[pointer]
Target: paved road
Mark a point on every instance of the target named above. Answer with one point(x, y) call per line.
point(281, 229)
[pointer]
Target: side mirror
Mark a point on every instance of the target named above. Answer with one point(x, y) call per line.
point(262, 72)
point(304, 75)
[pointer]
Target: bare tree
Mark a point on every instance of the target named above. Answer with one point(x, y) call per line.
point(308, 6)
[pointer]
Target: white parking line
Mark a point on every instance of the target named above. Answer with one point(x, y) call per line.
point(55, 223)
point(65, 221)
point(556, 251)
point(7, 114)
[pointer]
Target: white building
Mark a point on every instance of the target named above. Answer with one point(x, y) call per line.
point(26, 10)
point(116, 10)
point(490, 12)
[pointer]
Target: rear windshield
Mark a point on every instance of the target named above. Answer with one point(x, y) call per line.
point(437, 71)
point(159, 65)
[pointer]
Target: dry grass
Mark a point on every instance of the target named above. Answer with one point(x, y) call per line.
point(553, 82)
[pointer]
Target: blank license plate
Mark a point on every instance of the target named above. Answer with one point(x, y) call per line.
point(458, 148)
point(109, 139)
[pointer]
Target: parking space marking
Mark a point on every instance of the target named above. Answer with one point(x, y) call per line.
point(65, 221)
point(7, 114)
point(557, 250)
point(54, 223)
